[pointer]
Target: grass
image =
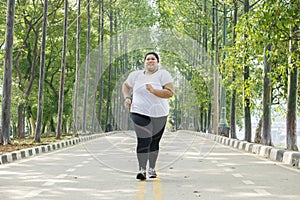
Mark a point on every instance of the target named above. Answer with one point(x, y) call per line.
point(28, 142)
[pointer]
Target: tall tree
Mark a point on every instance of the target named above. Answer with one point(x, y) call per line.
point(267, 100)
point(291, 116)
point(101, 60)
point(7, 74)
point(95, 126)
point(87, 68)
point(108, 97)
point(247, 103)
point(76, 88)
point(215, 49)
point(234, 92)
point(205, 50)
point(29, 75)
point(37, 136)
point(62, 73)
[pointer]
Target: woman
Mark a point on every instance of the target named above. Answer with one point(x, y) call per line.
point(149, 109)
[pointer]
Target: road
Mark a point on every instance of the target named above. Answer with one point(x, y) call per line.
point(189, 167)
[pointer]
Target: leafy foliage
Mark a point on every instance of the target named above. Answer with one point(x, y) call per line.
point(268, 22)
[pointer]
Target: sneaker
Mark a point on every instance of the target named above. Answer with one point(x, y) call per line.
point(152, 173)
point(141, 175)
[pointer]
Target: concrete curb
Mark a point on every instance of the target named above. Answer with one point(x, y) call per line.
point(291, 158)
point(34, 151)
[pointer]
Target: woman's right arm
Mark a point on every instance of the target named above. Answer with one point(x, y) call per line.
point(126, 89)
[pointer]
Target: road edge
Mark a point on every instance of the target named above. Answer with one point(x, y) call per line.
point(291, 158)
point(38, 150)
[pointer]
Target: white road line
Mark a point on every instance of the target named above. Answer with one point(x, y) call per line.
point(80, 165)
point(228, 170)
point(70, 170)
point(52, 182)
point(262, 192)
point(248, 182)
point(33, 193)
point(49, 183)
point(61, 176)
point(85, 162)
point(238, 175)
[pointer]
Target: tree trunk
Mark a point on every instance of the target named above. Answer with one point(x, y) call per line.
point(7, 73)
point(32, 124)
point(247, 111)
point(37, 137)
point(267, 90)
point(95, 88)
point(215, 67)
point(233, 95)
point(207, 124)
point(98, 84)
point(21, 121)
point(200, 112)
point(62, 73)
point(75, 109)
point(87, 70)
point(108, 102)
point(257, 138)
point(101, 50)
point(291, 117)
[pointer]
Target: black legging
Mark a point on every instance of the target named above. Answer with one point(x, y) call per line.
point(149, 131)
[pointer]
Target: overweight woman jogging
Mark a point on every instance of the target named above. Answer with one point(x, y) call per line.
point(150, 89)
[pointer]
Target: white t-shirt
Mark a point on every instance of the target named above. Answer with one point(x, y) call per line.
point(144, 102)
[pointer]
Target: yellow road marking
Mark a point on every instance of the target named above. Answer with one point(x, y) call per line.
point(157, 190)
point(141, 191)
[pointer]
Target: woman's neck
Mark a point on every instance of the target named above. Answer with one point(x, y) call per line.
point(146, 72)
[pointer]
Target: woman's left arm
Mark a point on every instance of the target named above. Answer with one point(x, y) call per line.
point(166, 92)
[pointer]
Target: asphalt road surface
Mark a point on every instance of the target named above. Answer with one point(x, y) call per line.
point(189, 167)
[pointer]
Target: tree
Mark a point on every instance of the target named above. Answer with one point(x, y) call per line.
point(108, 98)
point(26, 76)
point(75, 98)
point(7, 75)
point(62, 73)
point(291, 115)
point(269, 26)
point(37, 137)
point(101, 60)
point(247, 102)
point(267, 98)
point(234, 91)
point(87, 69)
point(215, 63)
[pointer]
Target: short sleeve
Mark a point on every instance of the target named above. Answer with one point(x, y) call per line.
point(166, 77)
point(131, 78)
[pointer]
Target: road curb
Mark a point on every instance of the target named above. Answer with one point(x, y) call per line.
point(291, 158)
point(34, 151)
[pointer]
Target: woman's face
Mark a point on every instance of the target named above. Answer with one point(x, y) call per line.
point(151, 63)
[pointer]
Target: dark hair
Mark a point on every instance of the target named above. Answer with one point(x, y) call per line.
point(152, 53)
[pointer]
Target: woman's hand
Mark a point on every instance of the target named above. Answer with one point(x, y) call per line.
point(149, 88)
point(166, 92)
point(127, 102)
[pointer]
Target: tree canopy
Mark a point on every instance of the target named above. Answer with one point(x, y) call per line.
point(195, 39)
